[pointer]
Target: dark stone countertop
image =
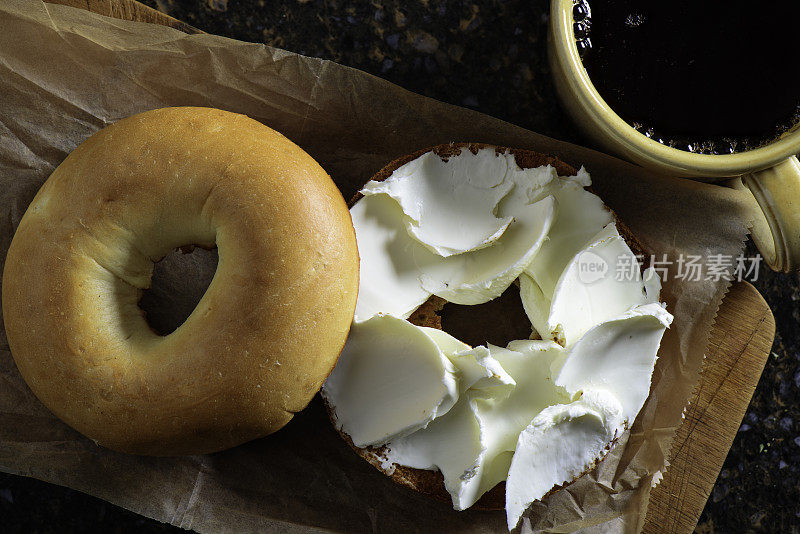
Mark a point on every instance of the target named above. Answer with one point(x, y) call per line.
point(488, 55)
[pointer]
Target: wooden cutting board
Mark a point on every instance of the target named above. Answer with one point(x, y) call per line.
point(740, 344)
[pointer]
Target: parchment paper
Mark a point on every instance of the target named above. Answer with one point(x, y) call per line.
point(65, 73)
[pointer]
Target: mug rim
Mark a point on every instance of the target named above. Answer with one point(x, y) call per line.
point(711, 165)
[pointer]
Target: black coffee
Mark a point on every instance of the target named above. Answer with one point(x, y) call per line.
point(703, 76)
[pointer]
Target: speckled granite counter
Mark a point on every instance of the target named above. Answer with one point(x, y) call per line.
point(490, 56)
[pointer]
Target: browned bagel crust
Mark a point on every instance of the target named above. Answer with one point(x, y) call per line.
point(260, 342)
point(428, 482)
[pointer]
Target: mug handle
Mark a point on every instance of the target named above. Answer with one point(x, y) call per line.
point(777, 234)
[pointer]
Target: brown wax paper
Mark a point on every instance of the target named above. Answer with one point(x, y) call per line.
point(65, 73)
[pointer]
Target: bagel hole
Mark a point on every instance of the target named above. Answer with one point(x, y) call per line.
point(497, 322)
point(180, 279)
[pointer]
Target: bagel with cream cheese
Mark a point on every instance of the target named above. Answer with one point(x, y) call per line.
point(267, 331)
point(431, 482)
point(579, 400)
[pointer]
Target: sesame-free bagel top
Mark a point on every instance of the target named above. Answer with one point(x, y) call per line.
point(260, 342)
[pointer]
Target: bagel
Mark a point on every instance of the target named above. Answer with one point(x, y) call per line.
point(425, 481)
point(430, 314)
point(267, 331)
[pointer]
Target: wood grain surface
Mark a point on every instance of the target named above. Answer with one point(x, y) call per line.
point(740, 344)
point(128, 10)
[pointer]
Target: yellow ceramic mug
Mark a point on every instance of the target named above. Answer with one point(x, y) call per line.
point(771, 172)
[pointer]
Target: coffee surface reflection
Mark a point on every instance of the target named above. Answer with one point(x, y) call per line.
point(703, 76)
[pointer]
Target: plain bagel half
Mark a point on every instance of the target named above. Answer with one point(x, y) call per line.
point(263, 338)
